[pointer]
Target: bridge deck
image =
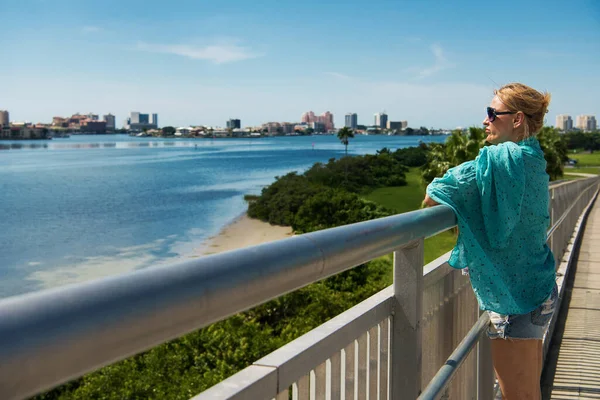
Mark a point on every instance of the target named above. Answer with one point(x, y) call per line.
point(573, 363)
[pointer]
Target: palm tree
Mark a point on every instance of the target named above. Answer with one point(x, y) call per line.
point(344, 135)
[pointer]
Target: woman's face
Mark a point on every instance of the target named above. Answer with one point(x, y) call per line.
point(503, 128)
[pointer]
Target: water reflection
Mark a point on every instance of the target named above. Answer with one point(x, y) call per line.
point(67, 146)
point(18, 146)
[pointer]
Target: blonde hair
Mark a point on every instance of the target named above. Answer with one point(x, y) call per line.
point(534, 104)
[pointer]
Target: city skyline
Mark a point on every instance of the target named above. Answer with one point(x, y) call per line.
point(431, 65)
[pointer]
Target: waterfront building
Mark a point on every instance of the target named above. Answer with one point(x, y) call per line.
point(351, 121)
point(308, 117)
point(4, 118)
point(326, 119)
point(394, 125)
point(138, 121)
point(318, 127)
point(60, 122)
point(288, 127)
point(272, 128)
point(381, 120)
point(234, 124)
point(110, 122)
point(93, 126)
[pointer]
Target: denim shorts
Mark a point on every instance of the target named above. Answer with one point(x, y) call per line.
point(523, 326)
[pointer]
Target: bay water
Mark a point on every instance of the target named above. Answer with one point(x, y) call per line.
point(98, 205)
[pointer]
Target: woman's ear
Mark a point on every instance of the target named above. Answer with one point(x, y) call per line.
point(519, 119)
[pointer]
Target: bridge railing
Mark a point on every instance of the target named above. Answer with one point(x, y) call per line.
point(407, 331)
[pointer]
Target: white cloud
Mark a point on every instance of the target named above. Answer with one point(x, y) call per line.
point(91, 29)
point(216, 53)
point(440, 63)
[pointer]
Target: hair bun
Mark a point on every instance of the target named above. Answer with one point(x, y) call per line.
point(546, 101)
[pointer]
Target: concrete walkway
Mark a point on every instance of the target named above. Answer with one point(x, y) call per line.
point(573, 362)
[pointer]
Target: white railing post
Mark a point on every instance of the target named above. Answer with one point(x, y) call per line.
point(485, 369)
point(552, 219)
point(406, 354)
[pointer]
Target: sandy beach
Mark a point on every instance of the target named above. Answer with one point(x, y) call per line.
point(242, 232)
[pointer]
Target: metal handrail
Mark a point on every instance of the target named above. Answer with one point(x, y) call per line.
point(443, 377)
point(53, 336)
point(50, 337)
point(567, 211)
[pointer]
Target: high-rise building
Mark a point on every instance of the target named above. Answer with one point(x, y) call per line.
point(139, 122)
point(404, 125)
point(110, 122)
point(308, 117)
point(381, 120)
point(564, 122)
point(134, 117)
point(4, 118)
point(326, 119)
point(234, 124)
point(586, 123)
point(394, 125)
point(351, 121)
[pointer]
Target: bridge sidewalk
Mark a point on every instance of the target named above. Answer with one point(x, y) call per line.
point(573, 364)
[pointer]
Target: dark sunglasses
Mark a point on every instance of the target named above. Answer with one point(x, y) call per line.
point(492, 113)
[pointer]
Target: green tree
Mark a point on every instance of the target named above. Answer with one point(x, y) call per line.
point(280, 201)
point(459, 147)
point(412, 156)
point(168, 131)
point(437, 163)
point(555, 151)
point(344, 135)
point(359, 174)
point(335, 207)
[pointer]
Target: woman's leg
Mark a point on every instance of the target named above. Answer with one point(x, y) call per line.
point(518, 366)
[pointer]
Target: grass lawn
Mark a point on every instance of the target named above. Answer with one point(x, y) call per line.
point(585, 170)
point(588, 164)
point(408, 198)
point(586, 159)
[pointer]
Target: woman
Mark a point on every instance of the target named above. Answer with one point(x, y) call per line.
point(501, 203)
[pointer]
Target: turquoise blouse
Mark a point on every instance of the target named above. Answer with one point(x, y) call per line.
point(501, 203)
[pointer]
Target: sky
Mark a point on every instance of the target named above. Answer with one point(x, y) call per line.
point(199, 62)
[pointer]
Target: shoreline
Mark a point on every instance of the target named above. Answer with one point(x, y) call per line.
point(243, 231)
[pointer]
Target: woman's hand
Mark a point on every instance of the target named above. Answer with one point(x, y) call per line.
point(429, 202)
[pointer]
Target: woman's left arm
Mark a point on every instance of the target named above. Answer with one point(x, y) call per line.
point(429, 202)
